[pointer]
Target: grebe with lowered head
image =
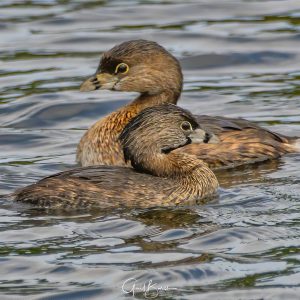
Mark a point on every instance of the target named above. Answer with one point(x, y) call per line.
point(160, 176)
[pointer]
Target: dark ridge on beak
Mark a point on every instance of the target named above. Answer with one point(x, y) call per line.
point(90, 84)
point(207, 137)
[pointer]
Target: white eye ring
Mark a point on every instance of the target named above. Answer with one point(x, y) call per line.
point(186, 126)
point(122, 68)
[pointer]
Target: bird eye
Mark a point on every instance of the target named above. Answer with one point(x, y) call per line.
point(185, 126)
point(122, 68)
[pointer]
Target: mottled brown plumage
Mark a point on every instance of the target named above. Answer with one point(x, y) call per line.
point(161, 176)
point(100, 143)
point(246, 144)
point(156, 75)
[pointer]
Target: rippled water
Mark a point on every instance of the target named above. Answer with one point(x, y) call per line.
point(240, 59)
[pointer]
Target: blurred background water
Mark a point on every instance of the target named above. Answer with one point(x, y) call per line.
point(240, 59)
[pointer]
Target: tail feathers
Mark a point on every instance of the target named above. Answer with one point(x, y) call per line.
point(6, 196)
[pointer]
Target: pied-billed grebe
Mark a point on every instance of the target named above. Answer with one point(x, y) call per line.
point(146, 67)
point(161, 176)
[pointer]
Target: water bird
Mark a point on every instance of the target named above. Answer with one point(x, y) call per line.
point(147, 68)
point(160, 176)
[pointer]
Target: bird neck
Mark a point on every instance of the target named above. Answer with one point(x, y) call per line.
point(192, 177)
point(148, 100)
point(104, 133)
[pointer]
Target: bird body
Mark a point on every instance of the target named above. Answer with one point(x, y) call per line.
point(146, 67)
point(110, 186)
point(160, 176)
point(241, 142)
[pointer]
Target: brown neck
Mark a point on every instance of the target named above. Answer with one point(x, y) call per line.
point(104, 134)
point(193, 177)
point(148, 100)
point(172, 165)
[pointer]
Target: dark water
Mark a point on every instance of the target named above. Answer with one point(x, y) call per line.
point(240, 59)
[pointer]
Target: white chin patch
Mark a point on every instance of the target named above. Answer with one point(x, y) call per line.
point(108, 86)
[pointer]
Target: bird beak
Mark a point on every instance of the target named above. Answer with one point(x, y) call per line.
point(200, 136)
point(103, 81)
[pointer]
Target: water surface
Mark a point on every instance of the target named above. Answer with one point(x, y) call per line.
point(240, 59)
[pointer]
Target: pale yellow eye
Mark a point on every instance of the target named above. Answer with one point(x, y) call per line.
point(186, 126)
point(122, 68)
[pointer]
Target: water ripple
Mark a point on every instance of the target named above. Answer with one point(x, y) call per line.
point(240, 59)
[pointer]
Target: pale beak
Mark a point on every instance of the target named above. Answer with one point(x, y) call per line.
point(200, 136)
point(102, 81)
